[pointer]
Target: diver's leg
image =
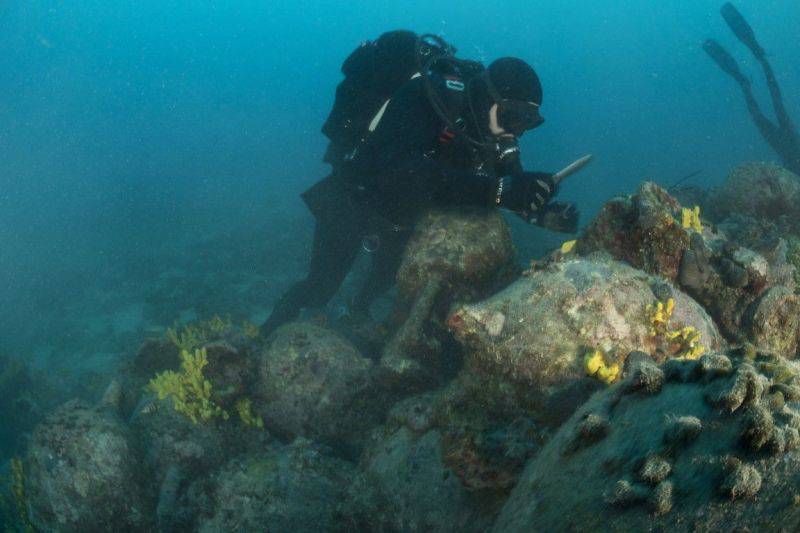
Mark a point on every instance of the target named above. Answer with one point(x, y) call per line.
point(777, 137)
point(741, 28)
point(727, 64)
point(767, 129)
point(383, 271)
point(784, 122)
point(335, 249)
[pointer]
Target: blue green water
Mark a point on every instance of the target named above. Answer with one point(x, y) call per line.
point(151, 153)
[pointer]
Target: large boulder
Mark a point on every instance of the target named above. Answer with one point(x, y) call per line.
point(653, 232)
point(466, 250)
point(180, 452)
point(640, 229)
point(406, 486)
point(709, 445)
point(452, 256)
point(174, 442)
point(313, 383)
point(85, 473)
point(291, 488)
point(764, 191)
point(487, 435)
point(536, 333)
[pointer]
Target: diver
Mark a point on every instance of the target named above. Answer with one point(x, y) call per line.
point(448, 136)
point(783, 136)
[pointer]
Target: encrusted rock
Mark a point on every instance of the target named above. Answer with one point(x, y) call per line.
point(775, 323)
point(231, 372)
point(313, 383)
point(406, 486)
point(590, 430)
point(742, 481)
point(452, 255)
point(759, 427)
point(84, 473)
point(661, 499)
point(683, 430)
point(292, 488)
point(645, 377)
point(626, 494)
point(552, 318)
point(654, 470)
point(701, 491)
point(778, 193)
point(713, 366)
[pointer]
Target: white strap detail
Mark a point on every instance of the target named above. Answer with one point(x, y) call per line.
point(379, 115)
point(377, 118)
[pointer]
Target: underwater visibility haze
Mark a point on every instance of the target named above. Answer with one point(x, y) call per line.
point(612, 352)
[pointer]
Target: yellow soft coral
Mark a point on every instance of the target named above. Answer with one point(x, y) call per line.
point(595, 365)
point(187, 338)
point(189, 390)
point(219, 325)
point(680, 343)
point(690, 218)
point(659, 315)
point(244, 408)
point(250, 330)
point(568, 246)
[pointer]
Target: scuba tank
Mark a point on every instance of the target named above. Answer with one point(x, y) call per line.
point(373, 73)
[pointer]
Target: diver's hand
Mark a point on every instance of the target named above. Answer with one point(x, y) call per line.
point(529, 192)
point(541, 188)
point(557, 216)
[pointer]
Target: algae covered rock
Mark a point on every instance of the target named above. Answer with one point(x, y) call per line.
point(711, 451)
point(653, 232)
point(762, 190)
point(536, 332)
point(451, 256)
point(85, 473)
point(173, 441)
point(487, 434)
point(774, 322)
point(407, 487)
point(292, 488)
point(641, 230)
point(465, 250)
point(313, 383)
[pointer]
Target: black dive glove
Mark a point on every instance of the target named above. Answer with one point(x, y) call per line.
point(529, 192)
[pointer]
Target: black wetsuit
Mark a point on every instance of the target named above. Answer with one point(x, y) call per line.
point(408, 164)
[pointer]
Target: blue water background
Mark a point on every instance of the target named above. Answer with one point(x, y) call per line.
point(130, 127)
